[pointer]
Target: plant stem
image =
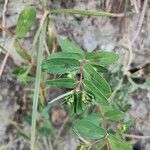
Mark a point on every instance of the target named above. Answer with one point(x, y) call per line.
point(37, 88)
point(61, 96)
point(136, 136)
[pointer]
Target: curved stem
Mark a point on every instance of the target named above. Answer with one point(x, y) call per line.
point(61, 96)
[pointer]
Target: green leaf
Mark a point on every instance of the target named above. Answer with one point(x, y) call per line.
point(60, 65)
point(88, 129)
point(99, 96)
point(65, 82)
point(93, 118)
point(44, 131)
point(22, 52)
point(25, 21)
point(102, 58)
point(117, 144)
point(84, 12)
point(67, 55)
point(27, 119)
point(97, 80)
point(69, 46)
point(114, 115)
point(99, 68)
point(19, 71)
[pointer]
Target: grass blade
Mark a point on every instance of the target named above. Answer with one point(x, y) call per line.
point(86, 12)
point(37, 87)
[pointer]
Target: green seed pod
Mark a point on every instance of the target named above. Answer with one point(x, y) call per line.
point(78, 103)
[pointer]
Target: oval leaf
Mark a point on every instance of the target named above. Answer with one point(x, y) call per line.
point(60, 65)
point(114, 115)
point(25, 21)
point(117, 144)
point(67, 55)
point(99, 96)
point(65, 83)
point(88, 129)
point(102, 58)
point(97, 80)
point(69, 46)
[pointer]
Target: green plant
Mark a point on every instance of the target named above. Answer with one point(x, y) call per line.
point(82, 74)
point(97, 121)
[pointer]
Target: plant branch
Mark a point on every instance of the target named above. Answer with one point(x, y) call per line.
point(61, 96)
point(136, 136)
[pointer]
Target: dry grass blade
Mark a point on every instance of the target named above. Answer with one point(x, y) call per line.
point(136, 136)
point(4, 15)
point(140, 21)
point(6, 57)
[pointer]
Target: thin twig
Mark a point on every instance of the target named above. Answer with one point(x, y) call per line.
point(4, 15)
point(46, 48)
point(62, 127)
point(6, 57)
point(61, 96)
point(83, 140)
point(136, 136)
point(140, 21)
point(136, 6)
point(139, 120)
point(6, 30)
point(117, 88)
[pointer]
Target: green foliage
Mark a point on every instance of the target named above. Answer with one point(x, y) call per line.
point(65, 83)
point(88, 129)
point(69, 46)
point(60, 65)
point(117, 144)
point(97, 79)
point(78, 71)
point(89, 87)
point(114, 115)
point(102, 58)
point(25, 21)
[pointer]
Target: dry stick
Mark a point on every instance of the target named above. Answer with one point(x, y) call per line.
point(46, 48)
point(139, 120)
point(6, 30)
point(62, 127)
point(140, 22)
point(26, 55)
point(136, 6)
point(6, 57)
point(136, 136)
point(130, 55)
point(4, 15)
